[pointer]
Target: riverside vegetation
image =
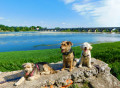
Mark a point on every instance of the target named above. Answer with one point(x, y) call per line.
point(4, 28)
point(107, 52)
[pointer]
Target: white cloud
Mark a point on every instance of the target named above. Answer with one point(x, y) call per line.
point(63, 23)
point(68, 1)
point(104, 12)
point(83, 9)
point(1, 18)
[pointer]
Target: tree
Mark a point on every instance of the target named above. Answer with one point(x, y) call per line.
point(26, 28)
point(39, 27)
point(2, 27)
point(57, 28)
point(7, 28)
point(32, 27)
point(12, 28)
point(17, 29)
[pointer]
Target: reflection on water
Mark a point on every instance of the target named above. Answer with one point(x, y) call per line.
point(46, 45)
point(19, 41)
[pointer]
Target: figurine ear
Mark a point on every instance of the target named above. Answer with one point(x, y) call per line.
point(33, 64)
point(23, 65)
point(69, 43)
point(90, 47)
point(62, 42)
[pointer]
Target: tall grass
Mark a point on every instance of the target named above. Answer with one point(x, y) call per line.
point(107, 52)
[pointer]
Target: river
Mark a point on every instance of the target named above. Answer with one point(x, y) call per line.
point(23, 41)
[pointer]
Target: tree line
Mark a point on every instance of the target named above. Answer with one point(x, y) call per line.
point(20, 28)
point(38, 28)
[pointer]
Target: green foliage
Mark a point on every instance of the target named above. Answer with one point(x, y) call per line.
point(68, 30)
point(33, 28)
point(97, 30)
point(75, 31)
point(115, 30)
point(106, 30)
point(10, 61)
point(12, 28)
point(17, 29)
point(39, 27)
point(86, 84)
point(57, 28)
point(115, 69)
point(83, 30)
point(107, 52)
point(74, 86)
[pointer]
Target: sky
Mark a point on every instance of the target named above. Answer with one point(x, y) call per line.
point(60, 13)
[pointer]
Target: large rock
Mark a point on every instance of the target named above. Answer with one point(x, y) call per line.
point(98, 77)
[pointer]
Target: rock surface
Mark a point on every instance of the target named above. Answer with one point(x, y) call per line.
point(98, 76)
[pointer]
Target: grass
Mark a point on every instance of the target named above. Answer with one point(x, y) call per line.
point(85, 84)
point(107, 52)
point(74, 86)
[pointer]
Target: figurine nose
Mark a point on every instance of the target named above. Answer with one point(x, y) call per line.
point(25, 70)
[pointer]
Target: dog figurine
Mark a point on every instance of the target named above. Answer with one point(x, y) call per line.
point(68, 55)
point(86, 55)
point(33, 71)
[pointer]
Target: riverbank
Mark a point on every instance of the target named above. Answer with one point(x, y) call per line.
point(57, 32)
point(107, 52)
point(20, 33)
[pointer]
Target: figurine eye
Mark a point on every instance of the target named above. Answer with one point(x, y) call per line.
point(28, 66)
point(63, 44)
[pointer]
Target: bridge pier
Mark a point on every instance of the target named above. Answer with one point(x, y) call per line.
point(82, 30)
point(93, 30)
point(88, 30)
point(85, 29)
point(71, 29)
point(101, 30)
point(79, 30)
point(110, 30)
point(118, 30)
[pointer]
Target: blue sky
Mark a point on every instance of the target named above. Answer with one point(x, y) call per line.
point(60, 13)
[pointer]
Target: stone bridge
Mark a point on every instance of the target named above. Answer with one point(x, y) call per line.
point(91, 29)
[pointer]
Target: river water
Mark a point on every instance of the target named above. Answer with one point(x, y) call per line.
point(22, 41)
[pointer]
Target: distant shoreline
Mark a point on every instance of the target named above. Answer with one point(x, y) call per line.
point(58, 32)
